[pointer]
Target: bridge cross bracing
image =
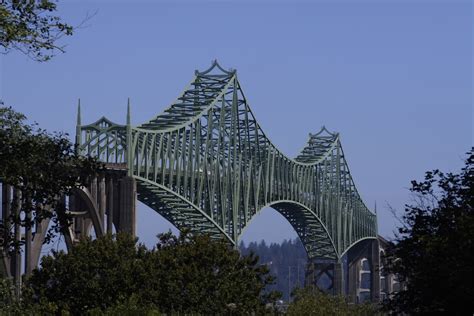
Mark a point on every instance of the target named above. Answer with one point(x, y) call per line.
point(206, 165)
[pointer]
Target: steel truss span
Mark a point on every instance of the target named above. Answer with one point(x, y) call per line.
point(206, 164)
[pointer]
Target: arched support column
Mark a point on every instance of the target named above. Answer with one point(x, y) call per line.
point(37, 244)
point(364, 250)
point(4, 265)
point(113, 194)
point(91, 208)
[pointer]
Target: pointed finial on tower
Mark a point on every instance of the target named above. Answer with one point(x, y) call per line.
point(128, 112)
point(376, 218)
point(129, 157)
point(78, 128)
point(79, 112)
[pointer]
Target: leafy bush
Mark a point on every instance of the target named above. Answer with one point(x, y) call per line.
point(185, 274)
point(310, 301)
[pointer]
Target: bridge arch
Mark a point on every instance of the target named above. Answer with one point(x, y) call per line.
point(308, 226)
point(363, 266)
point(83, 206)
point(176, 209)
point(357, 242)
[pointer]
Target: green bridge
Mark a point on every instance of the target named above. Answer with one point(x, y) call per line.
point(205, 164)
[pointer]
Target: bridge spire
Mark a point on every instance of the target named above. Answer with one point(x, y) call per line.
point(78, 126)
point(79, 112)
point(129, 140)
point(128, 112)
point(376, 218)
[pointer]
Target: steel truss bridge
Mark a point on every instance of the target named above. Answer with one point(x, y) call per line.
point(206, 165)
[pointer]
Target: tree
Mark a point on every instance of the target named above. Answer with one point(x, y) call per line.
point(95, 274)
point(10, 305)
point(194, 274)
point(43, 167)
point(311, 301)
point(186, 274)
point(6, 297)
point(30, 27)
point(433, 253)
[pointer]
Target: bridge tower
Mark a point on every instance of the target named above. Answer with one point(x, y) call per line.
point(108, 204)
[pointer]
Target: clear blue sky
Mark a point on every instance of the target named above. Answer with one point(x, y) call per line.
point(393, 77)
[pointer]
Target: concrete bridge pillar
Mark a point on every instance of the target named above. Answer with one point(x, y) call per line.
point(110, 189)
point(12, 265)
point(375, 270)
point(352, 281)
point(127, 205)
point(113, 194)
point(358, 257)
point(338, 278)
point(5, 215)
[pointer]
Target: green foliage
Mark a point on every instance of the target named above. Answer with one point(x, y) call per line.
point(29, 27)
point(195, 274)
point(6, 293)
point(130, 307)
point(10, 306)
point(95, 274)
point(310, 301)
point(43, 166)
point(433, 254)
point(186, 274)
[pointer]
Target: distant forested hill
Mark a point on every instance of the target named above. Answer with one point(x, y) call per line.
point(286, 261)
